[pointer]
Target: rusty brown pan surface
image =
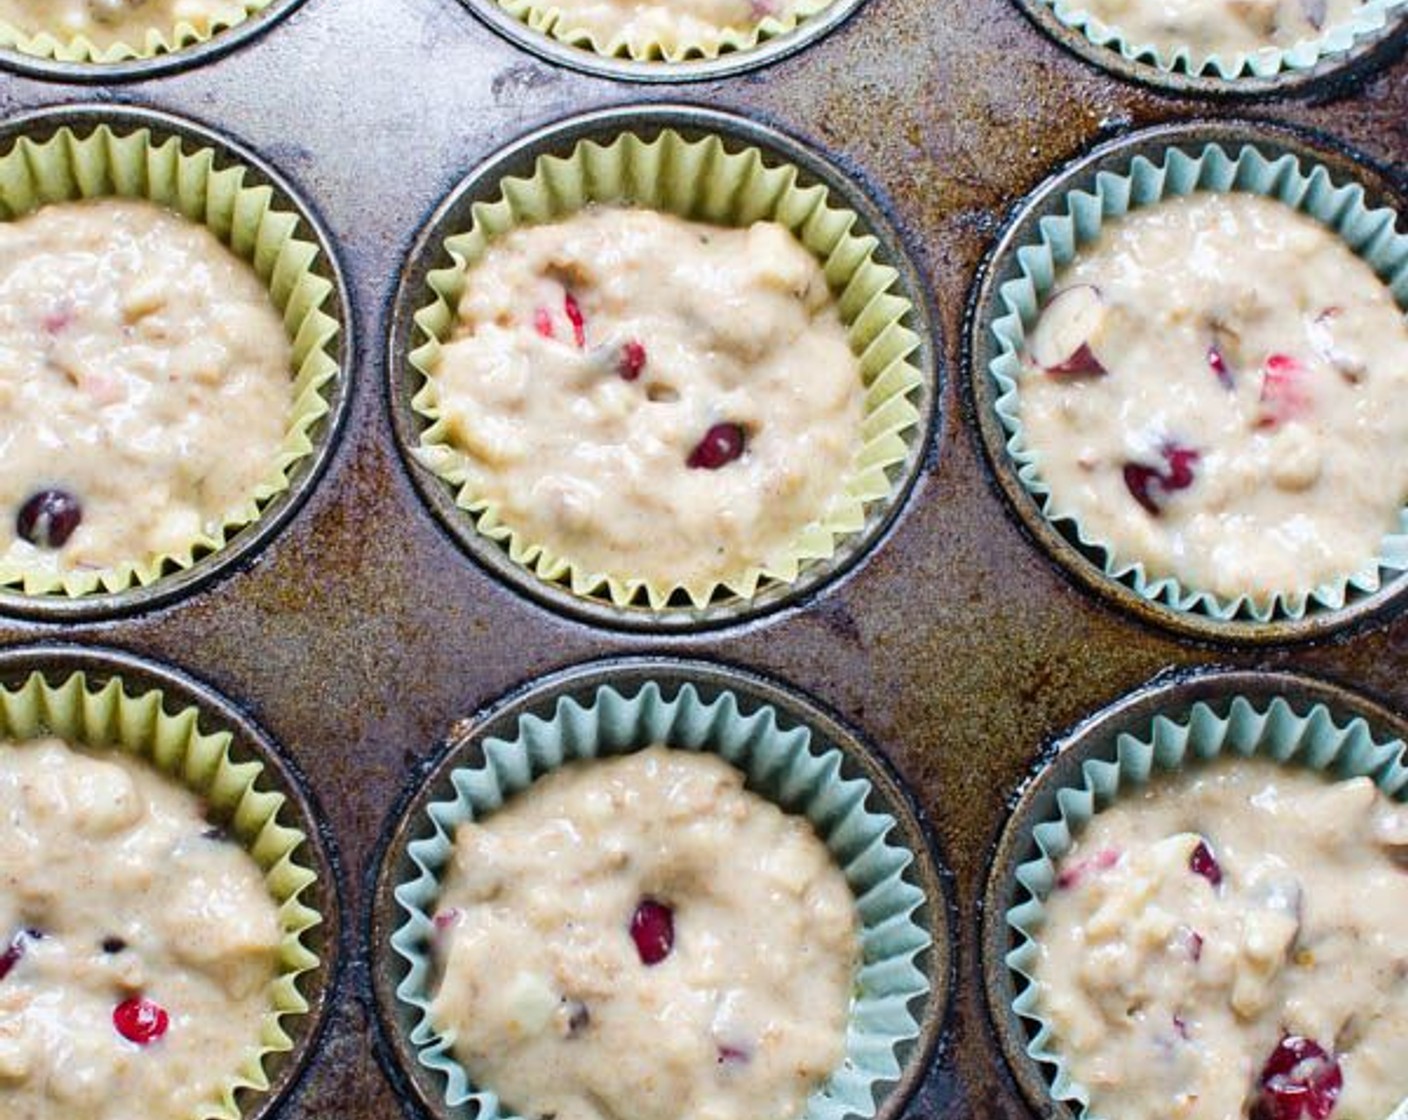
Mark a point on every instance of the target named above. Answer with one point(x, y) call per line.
point(361, 636)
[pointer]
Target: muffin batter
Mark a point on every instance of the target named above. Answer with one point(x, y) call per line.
point(653, 398)
point(670, 24)
point(146, 385)
point(1218, 389)
point(1230, 943)
point(1220, 27)
point(105, 22)
point(641, 937)
point(136, 945)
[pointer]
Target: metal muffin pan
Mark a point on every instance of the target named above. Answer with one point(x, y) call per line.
point(1096, 738)
point(1050, 198)
point(559, 140)
point(465, 748)
point(361, 634)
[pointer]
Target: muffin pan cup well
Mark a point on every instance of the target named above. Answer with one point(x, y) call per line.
point(792, 753)
point(1333, 186)
point(1334, 63)
point(706, 166)
point(537, 26)
point(1295, 720)
point(93, 151)
point(48, 57)
point(107, 699)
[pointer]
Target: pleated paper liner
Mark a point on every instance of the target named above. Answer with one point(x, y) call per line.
point(1280, 729)
point(557, 24)
point(710, 180)
point(53, 45)
point(1373, 19)
point(782, 765)
point(122, 161)
point(1309, 189)
point(171, 741)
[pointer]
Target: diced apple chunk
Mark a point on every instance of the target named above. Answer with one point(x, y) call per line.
point(1065, 340)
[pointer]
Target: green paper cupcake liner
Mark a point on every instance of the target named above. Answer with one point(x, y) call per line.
point(549, 19)
point(1234, 728)
point(110, 162)
point(1342, 208)
point(159, 41)
point(1267, 62)
point(700, 180)
point(140, 725)
point(781, 766)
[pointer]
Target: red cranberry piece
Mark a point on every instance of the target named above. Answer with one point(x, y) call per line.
point(721, 445)
point(1146, 484)
point(1102, 860)
point(1300, 1080)
point(1284, 392)
point(573, 312)
point(140, 1020)
point(57, 321)
point(1191, 941)
point(733, 1056)
point(14, 951)
point(1139, 480)
point(48, 518)
point(445, 919)
point(1203, 862)
point(542, 322)
point(653, 931)
point(1218, 364)
point(632, 360)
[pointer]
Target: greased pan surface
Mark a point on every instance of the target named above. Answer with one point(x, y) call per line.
point(360, 634)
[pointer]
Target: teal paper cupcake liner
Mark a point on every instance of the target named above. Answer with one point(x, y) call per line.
point(1342, 208)
point(1267, 62)
point(780, 765)
point(1236, 727)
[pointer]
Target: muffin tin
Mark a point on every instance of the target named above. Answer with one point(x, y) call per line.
point(363, 638)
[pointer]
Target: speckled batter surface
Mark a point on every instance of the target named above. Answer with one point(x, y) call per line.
point(644, 24)
point(114, 888)
point(595, 355)
point(1201, 923)
point(1224, 28)
point(105, 22)
point(144, 371)
point(555, 1006)
point(1238, 418)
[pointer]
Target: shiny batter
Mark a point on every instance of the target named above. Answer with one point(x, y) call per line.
point(595, 356)
point(1220, 27)
point(144, 372)
point(669, 24)
point(1218, 389)
point(115, 891)
point(105, 22)
point(1231, 943)
point(562, 1001)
